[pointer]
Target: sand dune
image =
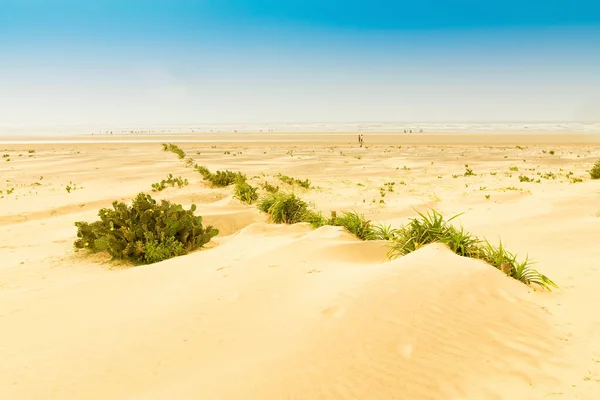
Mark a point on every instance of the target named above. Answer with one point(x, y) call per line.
point(272, 311)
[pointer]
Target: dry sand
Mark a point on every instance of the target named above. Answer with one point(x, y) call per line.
point(287, 312)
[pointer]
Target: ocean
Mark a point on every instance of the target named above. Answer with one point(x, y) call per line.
point(342, 127)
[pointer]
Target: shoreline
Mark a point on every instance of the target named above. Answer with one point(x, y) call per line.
point(496, 138)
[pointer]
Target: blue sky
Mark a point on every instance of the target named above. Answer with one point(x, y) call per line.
point(146, 62)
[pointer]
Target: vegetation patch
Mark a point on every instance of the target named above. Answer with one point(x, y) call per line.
point(285, 208)
point(595, 170)
point(170, 181)
point(145, 232)
point(245, 192)
point(432, 228)
point(174, 149)
point(293, 181)
point(221, 178)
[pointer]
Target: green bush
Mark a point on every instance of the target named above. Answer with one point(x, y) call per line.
point(174, 149)
point(284, 208)
point(145, 232)
point(245, 192)
point(354, 223)
point(595, 171)
point(291, 181)
point(432, 228)
point(221, 178)
point(179, 181)
point(226, 178)
point(203, 171)
point(270, 188)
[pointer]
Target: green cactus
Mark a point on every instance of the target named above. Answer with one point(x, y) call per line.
point(146, 232)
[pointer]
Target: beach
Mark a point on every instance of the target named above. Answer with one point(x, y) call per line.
point(276, 311)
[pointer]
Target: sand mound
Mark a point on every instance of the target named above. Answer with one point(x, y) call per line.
point(278, 312)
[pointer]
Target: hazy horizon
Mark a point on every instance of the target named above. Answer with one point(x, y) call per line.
point(182, 62)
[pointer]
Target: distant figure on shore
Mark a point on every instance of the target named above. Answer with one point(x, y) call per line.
point(361, 140)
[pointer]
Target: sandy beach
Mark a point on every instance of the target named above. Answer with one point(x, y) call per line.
point(271, 312)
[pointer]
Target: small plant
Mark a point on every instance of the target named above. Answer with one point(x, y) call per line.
point(70, 187)
point(576, 180)
point(468, 171)
point(381, 231)
point(145, 232)
point(291, 181)
point(220, 178)
point(270, 188)
point(203, 171)
point(226, 178)
point(524, 178)
point(551, 152)
point(245, 192)
point(354, 223)
point(548, 175)
point(284, 208)
point(432, 228)
point(595, 170)
point(174, 149)
point(157, 187)
point(513, 168)
point(487, 196)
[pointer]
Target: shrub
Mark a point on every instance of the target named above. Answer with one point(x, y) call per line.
point(291, 181)
point(226, 178)
point(174, 149)
point(595, 170)
point(432, 228)
point(245, 192)
point(524, 178)
point(354, 223)
point(203, 171)
point(220, 178)
point(383, 231)
point(285, 208)
point(180, 182)
point(145, 232)
point(270, 188)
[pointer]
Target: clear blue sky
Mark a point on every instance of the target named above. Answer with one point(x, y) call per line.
point(138, 62)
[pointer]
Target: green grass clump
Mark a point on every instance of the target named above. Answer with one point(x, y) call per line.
point(174, 149)
point(245, 192)
point(293, 181)
point(381, 231)
point(162, 185)
point(354, 223)
point(525, 178)
point(285, 208)
point(432, 228)
point(220, 178)
point(595, 170)
point(203, 171)
point(226, 178)
point(270, 188)
point(145, 232)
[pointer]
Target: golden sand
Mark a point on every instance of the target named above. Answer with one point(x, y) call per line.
point(286, 312)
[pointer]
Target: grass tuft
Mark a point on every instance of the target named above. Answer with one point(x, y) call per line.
point(595, 170)
point(432, 228)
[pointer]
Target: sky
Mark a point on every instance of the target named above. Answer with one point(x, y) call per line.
point(80, 62)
